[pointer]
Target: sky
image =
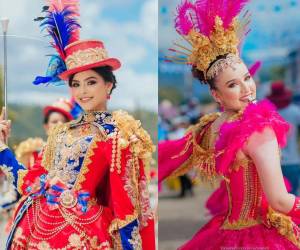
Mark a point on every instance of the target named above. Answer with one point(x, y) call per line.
point(128, 29)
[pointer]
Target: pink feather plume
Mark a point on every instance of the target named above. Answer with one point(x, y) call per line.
point(184, 20)
point(254, 68)
point(60, 5)
point(201, 14)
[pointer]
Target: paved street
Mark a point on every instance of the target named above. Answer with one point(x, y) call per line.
point(181, 218)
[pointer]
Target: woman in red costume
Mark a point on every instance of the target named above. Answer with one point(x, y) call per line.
point(240, 145)
point(90, 190)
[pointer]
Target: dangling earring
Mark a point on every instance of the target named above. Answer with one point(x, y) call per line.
point(108, 96)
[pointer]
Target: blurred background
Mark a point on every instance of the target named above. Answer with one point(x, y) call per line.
point(128, 29)
point(274, 43)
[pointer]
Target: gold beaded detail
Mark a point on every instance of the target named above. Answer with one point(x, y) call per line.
point(116, 152)
point(58, 222)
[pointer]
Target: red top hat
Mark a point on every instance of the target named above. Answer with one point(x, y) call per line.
point(62, 106)
point(84, 55)
point(280, 95)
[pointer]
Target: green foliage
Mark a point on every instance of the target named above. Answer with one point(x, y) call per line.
point(170, 93)
point(272, 73)
point(26, 122)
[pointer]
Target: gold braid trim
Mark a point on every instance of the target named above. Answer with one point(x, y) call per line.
point(3, 147)
point(132, 134)
point(21, 175)
point(48, 154)
point(240, 224)
point(87, 160)
point(201, 160)
point(284, 226)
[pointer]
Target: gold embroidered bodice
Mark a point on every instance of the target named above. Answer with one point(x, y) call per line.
point(72, 143)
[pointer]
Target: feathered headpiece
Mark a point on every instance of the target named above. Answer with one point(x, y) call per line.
point(61, 24)
point(69, 108)
point(212, 29)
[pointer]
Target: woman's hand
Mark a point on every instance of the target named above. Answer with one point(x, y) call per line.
point(5, 127)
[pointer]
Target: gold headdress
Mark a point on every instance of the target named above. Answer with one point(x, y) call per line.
point(212, 29)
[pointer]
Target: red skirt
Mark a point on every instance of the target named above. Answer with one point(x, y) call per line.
point(45, 227)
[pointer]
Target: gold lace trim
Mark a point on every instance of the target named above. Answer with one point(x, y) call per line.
point(87, 160)
point(21, 176)
point(239, 224)
point(85, 57)
point(75, 242)
point(284, 226)
point(48, 154)
point(3, 147)
point(117, 224)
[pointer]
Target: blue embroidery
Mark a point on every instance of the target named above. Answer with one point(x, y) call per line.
point(126, 235)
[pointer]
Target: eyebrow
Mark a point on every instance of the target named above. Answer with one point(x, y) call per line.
point(89, 78)
point(235, 79)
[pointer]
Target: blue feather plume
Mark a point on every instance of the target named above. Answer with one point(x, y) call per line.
point(63, 27)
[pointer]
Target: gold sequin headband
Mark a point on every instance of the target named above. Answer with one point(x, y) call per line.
point(219, 65)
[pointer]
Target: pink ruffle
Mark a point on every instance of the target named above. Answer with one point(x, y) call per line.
point(168, 156)
point(256, 118)
point(217, 203)
point(212, 237)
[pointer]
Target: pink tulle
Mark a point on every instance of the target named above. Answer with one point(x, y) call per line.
point(256, 118)
point(213, 237)
point(168, 156)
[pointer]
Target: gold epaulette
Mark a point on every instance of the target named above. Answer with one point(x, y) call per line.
point(131, 133)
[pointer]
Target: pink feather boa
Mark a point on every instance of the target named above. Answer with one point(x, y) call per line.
point(255, 118)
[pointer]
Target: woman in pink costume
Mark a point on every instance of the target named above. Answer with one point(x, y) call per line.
point(241, 145)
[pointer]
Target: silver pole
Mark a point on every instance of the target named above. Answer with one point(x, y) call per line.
point(4, 23)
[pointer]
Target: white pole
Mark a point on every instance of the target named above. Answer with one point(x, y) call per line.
point(4, 22)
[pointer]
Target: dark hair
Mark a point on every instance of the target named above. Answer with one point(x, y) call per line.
point(198, 74)
point(105, 72)
point(46, 117)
